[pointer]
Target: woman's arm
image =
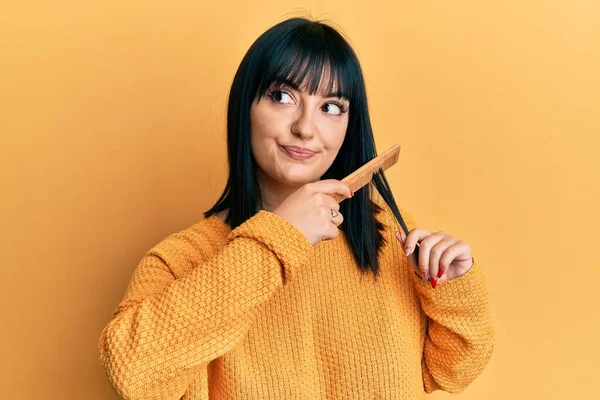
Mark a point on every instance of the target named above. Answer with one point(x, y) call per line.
point(460, 334)
point(165, 330)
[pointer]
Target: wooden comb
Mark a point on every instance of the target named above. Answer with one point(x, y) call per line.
point(364, 174)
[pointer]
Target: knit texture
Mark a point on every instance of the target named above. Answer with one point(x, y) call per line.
point(260, 313)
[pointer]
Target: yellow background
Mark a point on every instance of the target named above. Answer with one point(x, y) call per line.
point(112, 124)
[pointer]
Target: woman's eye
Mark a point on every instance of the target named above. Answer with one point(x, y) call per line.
point(332, 108)
point(281, 97)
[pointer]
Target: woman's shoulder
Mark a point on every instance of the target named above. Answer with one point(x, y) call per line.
point(200, 233)
point(213, 225)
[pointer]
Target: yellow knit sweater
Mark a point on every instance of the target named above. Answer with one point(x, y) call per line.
point(259, 313)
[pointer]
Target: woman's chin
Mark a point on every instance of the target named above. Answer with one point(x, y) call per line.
point(298, 179)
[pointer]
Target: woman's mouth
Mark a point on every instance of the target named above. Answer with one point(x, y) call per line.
point(298, 153)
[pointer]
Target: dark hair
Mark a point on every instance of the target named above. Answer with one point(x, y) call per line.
point(297, 51)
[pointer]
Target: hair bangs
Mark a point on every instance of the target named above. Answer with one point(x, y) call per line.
point(310, 59)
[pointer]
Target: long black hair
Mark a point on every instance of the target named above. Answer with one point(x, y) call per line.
point(297, 51)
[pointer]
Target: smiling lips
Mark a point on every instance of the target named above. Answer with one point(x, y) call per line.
point(298, 153)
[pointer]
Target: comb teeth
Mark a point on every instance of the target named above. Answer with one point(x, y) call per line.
point(364, 174)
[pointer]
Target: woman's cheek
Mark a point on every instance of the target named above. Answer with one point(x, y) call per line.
point(334, 138)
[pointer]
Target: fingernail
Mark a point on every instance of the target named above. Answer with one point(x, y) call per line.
point(401, 237)
point(440, 273)
point(433, 282)
point(426, 276)
point(407, 251)
point(351, 193)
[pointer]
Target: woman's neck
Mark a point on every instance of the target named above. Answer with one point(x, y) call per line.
point(273, 192)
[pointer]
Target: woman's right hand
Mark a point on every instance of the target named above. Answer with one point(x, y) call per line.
point(309, 209)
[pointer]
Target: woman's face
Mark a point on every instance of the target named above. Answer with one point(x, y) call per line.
point(296, 136)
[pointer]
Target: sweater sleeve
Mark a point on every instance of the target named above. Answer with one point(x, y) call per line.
point(166, 329)
point(460, 334)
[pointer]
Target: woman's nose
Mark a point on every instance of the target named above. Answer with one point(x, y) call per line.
point(303, 124)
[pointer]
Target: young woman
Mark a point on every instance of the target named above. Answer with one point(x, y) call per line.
point(279, 292)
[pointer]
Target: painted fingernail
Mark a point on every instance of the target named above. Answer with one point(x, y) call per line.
point(440, 273)
point(433, 282)
point(398, 236)
point(426, 276)
point(407, 251)
point(401, 236)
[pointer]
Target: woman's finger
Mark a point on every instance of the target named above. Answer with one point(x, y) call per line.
point(415, 236)
point(457, 254)
point(336, 217)
point(425, 254)
point(330, 187)
point(436, 268)
point(401, 236)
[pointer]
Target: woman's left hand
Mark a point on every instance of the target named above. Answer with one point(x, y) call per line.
point(442, 257)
